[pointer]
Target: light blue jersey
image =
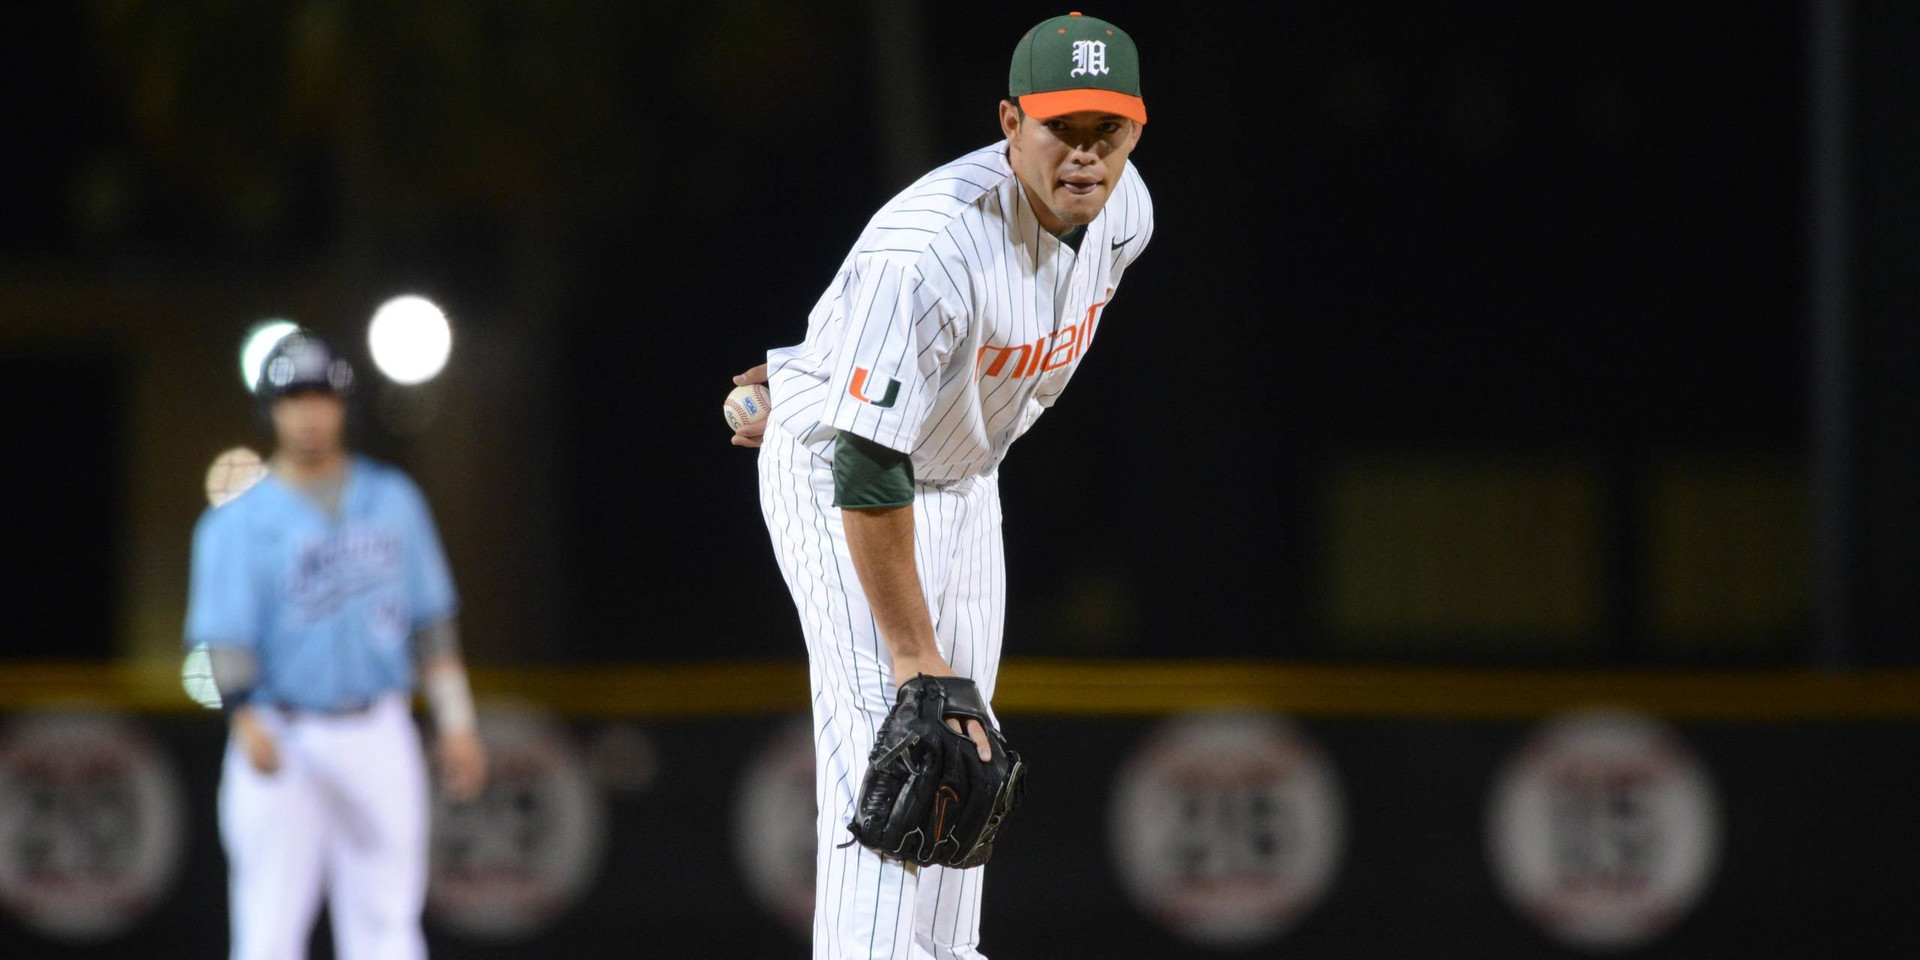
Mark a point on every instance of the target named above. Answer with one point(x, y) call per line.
point(325, 603)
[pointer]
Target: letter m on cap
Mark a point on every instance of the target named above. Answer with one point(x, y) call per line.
point(858, 389)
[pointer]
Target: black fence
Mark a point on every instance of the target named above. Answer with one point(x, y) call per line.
point(1194, 833)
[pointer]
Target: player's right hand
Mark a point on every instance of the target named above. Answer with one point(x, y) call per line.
point(262, 752)
point(749, 435)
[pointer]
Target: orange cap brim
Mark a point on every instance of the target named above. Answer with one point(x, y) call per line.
point(1046, 106)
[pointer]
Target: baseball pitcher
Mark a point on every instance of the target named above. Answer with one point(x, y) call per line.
point(956, 321)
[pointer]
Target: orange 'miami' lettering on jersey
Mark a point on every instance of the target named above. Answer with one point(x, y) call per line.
point(1047, 353)
point(1000, 355)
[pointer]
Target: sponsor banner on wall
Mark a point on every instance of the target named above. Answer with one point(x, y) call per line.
point(1604, 829)
point(91, 823)
point(518, 856)
point(1583, 835)
point(773, 826)
point(1227, 828)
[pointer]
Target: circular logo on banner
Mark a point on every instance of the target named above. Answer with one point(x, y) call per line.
point(521, 853)
point(773, 826)
point(1227, 827)
point(1604, 829)
point(91, 824)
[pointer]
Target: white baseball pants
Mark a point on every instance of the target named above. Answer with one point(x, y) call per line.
point(867, 907)
point(347, 813)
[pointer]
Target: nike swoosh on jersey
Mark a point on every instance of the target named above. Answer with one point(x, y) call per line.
point(1117, 244)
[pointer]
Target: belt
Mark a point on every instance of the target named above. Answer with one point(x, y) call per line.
point(351, 708)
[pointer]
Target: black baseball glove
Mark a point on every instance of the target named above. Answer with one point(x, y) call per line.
point(928, 798)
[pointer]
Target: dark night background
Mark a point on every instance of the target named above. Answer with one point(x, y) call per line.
point(1512, 245)
point(1491, 335)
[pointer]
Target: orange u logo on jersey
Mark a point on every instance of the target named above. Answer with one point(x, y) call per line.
point(1050, 352)
point(857, 389)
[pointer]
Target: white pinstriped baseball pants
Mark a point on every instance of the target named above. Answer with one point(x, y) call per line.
point(867, 907)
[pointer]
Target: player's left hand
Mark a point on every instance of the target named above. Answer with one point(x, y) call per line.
point(749, 435)
point(463, 765)
point(907, 668)
point(925, 799)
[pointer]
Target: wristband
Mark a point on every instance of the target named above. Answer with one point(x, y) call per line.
point(451, 699)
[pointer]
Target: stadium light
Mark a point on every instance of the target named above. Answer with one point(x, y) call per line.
point(232, 473)
point(410, 339)
point(253, 350)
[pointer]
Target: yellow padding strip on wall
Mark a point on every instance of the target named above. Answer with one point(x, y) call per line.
point(1098, 688)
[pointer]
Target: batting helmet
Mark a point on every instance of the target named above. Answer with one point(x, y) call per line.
point(302, 361)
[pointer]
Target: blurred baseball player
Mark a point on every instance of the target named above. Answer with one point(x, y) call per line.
point(965, 307)
point(321, 593)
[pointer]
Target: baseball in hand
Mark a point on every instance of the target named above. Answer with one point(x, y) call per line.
point(747, 405)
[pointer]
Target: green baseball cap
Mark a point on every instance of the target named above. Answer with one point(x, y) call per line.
point(1076, 63)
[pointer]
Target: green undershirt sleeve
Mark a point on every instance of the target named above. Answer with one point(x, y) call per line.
point(868, 475)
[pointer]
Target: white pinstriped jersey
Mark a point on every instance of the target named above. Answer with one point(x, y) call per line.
point(956, 320)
